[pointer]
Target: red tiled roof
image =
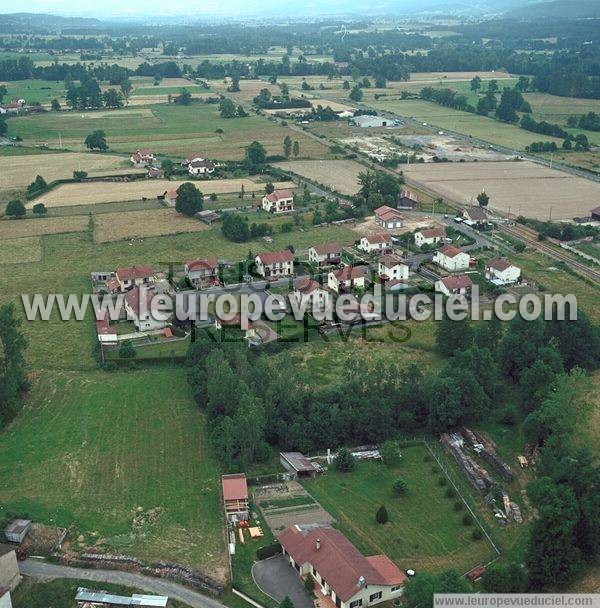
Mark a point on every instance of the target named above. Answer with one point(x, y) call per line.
point(389, 260)
point(327, 248)
point(172, 194)
point(459, 281)
point(135, 272)
point(433, 233)
point(133, 297)
point(387, 213)
point(349, 273)
point(500, 264)
point(234, 487)
point(113, 285)
point(382, 237)
point(338, 561)
point(211, 263)
point(410, 195)
point(306, 285)
point(595, 211)
point(145, 152)
point(450, 251)
point(277, 195)
point(275, 257)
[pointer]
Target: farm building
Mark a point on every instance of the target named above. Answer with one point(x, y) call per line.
point(310, 294)
point(155, 173)
point(376, 243)
point(134, 276)
point(328, 253)
point(89, 597)
point(17, 530)
point(298, 464)
point(143, 158)
point(201, 166)
point(275, 264)
point(595, 213)
point(278, 201)
point(343, 574)
point(142, 311)
point(367, 121)
point(388, 218)
point(429, 237)
point(235, 497)
point(452, 259)
point(5, 601)
point(453, 285)
point(347, 277)
point(207, 216)
point(407, 200)
point(170, 198)
point(9, 569)
point(392, 268)
point(202, 272)
point(501, 271)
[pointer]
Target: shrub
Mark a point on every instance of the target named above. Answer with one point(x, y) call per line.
point(400, 486)
point(477, 534)
point(382, 516)
point(442, 481)
point(467, 520)
point(450, 493)
point(458, 506)
point(344, 461)
point(268, 551)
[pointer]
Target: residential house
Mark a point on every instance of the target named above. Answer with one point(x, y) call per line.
point(407, 200)
point(501, 271)
point(454, 285)
point(392, 268)
point(279, 201)
point(346, 278)
point(235, 497)
point(376, 243)
point(135, 275)
point(323, 255)
point(298, 464)
point(275, 264)
point(475, 216)
point(310, 294)
point(388, 218)
point(15, 107)
point(9, 569)
point(141, 308)
point(341, 572)
point(430, 236)
point(5, 601)
point(452, 259)
point(239, 323)
point(185, 163)
point(201, 166)
point(202, 273)
point(155, 173)
point(143, 157)
point(170, 198)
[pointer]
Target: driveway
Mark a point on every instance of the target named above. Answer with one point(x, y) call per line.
point(276, 578)
point(159, 586)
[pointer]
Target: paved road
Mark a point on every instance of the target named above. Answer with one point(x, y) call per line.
point(160, 586)
point(276, 578)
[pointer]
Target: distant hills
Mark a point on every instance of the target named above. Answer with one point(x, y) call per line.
point(557, 9)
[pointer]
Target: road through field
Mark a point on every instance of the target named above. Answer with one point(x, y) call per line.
point(160, 586)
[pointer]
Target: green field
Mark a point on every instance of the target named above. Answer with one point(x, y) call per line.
point(424, 531)
point(33, 90)
point(91, 448)
point(158, 90)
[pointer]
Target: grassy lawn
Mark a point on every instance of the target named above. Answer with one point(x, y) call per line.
point(34, 90)
point(90, 449)
point(158, 90)
point(424, 531)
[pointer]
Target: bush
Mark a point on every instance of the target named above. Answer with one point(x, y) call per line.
point(442, 481)
point(477, 534)
point(400, 486)
point(458, 506)
point(268, 551)
point(450, 493)
point(382, 517)
point(467, 520)
point(344, 461)
point(389, 453)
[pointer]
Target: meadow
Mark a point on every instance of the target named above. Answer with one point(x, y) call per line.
point(33, 90)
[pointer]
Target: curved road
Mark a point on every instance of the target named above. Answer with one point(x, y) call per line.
point(160, 586)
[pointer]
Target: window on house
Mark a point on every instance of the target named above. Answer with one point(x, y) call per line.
point(375, 596)
point(356, 603)
point(396, 588)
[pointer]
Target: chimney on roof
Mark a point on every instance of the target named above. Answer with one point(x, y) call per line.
point(318, 544)
point(361, 580)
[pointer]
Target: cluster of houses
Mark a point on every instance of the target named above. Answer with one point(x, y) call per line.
point(196, 165)
point(15, 106)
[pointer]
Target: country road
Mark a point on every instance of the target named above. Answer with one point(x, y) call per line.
point(160, 586)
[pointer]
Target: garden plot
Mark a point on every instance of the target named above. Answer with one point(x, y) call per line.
point(523, 188)
point(339, 175)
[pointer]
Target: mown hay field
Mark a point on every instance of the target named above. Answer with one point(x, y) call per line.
point(25, 249)
point(90, 193)
point(20, 171)
point(526, 188)
point(13, 229)
point(340, 175)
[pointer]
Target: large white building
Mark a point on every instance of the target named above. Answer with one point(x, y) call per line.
point(452, 259)
point(376, 243)
point(310, 294)
point(430, 236)
point(501, 271)
point(392, 268)
point(278, 201)
point(275, 264)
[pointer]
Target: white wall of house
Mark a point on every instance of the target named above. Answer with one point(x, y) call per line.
point(510, 275)
point(397, 271)
point(315, 300)
point(441, 288)
point(5, 600)
point(282, 205)
point(369, 247)
point(422, 240)
point(452, 264)
point(145, 322)
point(315, 258)
point(389, 224)
point(275, 269)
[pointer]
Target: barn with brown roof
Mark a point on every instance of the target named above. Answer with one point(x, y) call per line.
point(235, 497)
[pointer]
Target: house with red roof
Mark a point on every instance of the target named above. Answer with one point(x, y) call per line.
point(452, 259)
point(342, 573)
point(275, 264)
point(144, 310)
point(235, 497)
point(459, 284)
point(323, 255)
point(144, 157)
point(430, 236)
point(346, 278)
point(134, 275)
point(279, 201)
point(502, 271)
point(170, 198)
point(202, 273)
point(376, 243)
point(388, 218)
point(310, 294)
point(392, 268)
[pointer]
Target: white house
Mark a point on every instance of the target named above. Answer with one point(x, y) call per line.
point(275, 264)
point(126, 278)
point(452, 259)
point(342, 575)
point(279, 201)
point(311, 294)
point(376, 243)
point(455, 284)
point(388, 218)
point(141, 309)
point(429, 237)
point(348, 277)
point(502, 271)
point(202, 272)
point(475, 216)
point(200, 166)
point(392, 268)
point(328, 253)
point(143, 157)
point(236, 323)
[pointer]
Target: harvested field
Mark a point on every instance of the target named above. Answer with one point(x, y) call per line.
point(340, 175)
point(523, 187)
point(20, 171)
point(436, 76)
point(141, 224)
point(110, 192)
point(19, 251)
point(14, 229)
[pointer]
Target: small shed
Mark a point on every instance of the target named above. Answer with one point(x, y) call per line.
point(207, 216)
point(298, 464)
point(16, 531)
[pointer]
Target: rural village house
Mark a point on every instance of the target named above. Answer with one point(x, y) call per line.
point(501, 271)
point(595, 214)
point(407, 200)
point(155, 173)
point(143, 158)
point(329, 253)
point(238, 323)
point(170, 198)
point(475, 216)
point(201, 166)
point(452, 259)
point(275, 264)
point(5, 601)
point(388, 218)
point(376, 243)
point(235, 497)
point(140, 309)
point(310, 294)
point(279, 201)
point(392, 268)
point(340, 571)
point(348, 277)
point(9, 569)
point(204, 272)
point(454, 285)
point(429, 237)
point(126, 278)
